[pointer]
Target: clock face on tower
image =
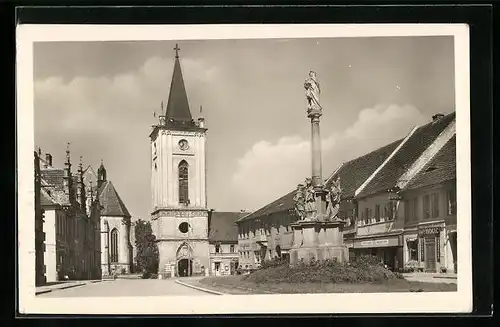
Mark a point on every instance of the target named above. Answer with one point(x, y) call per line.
point(183, 145)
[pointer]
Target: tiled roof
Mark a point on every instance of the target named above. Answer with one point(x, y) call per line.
point(352, 174)
point(414, 146)
point(223, 226)
point(440, 169)
point(112, 204)
point(46, 200)
point(53, 177)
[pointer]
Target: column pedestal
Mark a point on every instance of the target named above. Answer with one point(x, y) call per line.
point(318, 240)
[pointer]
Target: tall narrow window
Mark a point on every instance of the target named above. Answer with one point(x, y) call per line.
point(426, 206)
point(435, 205)
point(183, 183)
point(415, 209)
point(114, 246)
point(367, 216)
point(377, 212)
point(451, 202)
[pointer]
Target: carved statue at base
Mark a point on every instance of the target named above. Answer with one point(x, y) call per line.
point(334, 197)
point(305, 201)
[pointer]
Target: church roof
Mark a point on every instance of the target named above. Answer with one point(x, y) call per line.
point(223, 226)
point(440, 169)
point(53, 177)
point(402, 160)
point(112, 204)
point(178, 106)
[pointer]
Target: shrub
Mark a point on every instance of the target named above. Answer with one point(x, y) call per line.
point(444, 270)
point(153, 276)
point(146, 275)
point(275, 262)
point(363, 269)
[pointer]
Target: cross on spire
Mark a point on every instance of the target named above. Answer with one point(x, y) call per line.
point(177, 50)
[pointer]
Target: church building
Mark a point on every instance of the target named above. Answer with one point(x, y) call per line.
point(179, 215)
point(115, 223)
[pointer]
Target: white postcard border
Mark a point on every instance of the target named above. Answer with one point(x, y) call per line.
point(446, 302)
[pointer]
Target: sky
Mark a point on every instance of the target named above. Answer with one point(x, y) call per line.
point(101, 96)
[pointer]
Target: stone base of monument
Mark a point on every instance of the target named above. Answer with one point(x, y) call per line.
point(318, 240)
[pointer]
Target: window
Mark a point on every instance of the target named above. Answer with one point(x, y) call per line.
point(231, 248)
point(377, 212)
point(114, 245)
point(411, 210)
point(451, 202)
point(183, 227)
point(413, 250)
point(414, 209)
point(183, 183)
point(426, 207)
point(217, 266)
point(256, 256)
point(217, 248)
point(367, 216)
point(435, 205)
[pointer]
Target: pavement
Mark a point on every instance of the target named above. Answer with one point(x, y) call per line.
point(63, 285)
point(126, 287)
point(431, 277)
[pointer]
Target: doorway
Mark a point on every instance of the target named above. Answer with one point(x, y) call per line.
point(430, 254)
point(185, 268)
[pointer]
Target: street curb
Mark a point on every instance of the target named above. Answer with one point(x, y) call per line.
point(66, 287)
point(200, 288)
point(59, 288)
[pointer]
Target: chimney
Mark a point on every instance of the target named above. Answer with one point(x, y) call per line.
point(437, 117)
point(48, 160)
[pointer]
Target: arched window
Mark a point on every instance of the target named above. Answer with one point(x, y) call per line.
point(114, 246)
point(183, 183)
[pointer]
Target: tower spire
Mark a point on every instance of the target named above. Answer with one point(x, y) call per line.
point(177, 109)
point(177, 51)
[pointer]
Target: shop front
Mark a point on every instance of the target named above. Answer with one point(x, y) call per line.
point(430, 247)
point(387, 248)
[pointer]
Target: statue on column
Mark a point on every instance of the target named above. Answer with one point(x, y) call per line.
point(334, 195)
point(312, 92)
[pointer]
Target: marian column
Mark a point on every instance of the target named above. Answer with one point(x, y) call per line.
point(318, 234)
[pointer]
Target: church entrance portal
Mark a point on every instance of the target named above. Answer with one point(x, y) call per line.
point(185, 267)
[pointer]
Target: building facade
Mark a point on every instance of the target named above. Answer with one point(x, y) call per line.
point(375, 191)
point(116, 250)
point(223, 242)
point(40, 278)
point(71, 223)
point(179, 214)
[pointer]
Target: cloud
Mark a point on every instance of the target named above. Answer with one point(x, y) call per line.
point(109, 117)
point(269, 170)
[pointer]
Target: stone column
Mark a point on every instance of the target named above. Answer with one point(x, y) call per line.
point(317, 179)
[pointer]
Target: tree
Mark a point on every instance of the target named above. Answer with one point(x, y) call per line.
point(147, 255)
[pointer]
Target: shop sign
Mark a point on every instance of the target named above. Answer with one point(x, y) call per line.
point(378, 243)
point(429, 231)
point(375, 243)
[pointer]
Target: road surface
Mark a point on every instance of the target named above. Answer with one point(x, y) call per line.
point(127, 287)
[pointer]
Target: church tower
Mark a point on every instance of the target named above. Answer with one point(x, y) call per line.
point(179, 214)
